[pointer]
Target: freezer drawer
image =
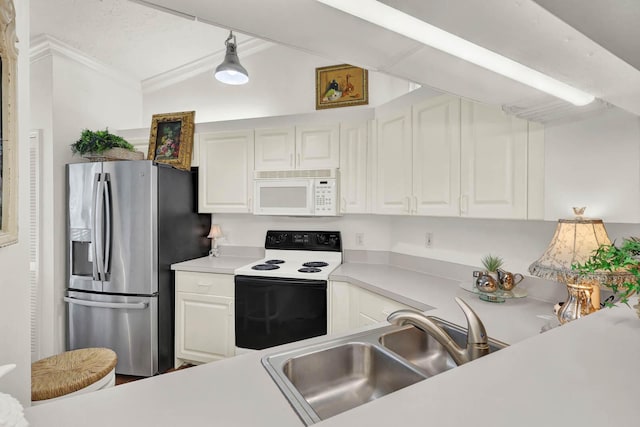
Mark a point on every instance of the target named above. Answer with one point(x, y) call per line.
point(126, 324)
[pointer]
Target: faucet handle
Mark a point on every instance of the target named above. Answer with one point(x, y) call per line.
point(476, 332)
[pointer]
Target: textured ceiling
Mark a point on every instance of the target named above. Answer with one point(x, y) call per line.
point(141, 41)
point(590, 45)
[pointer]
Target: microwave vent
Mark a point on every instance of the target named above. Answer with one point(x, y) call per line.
point(312, 173)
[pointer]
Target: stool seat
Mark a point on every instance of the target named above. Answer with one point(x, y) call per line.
point(70, 371)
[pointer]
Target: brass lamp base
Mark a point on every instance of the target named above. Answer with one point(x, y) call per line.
point(578, 303)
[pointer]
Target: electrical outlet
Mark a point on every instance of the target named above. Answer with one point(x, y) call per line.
point(359, 239)
point(428, 239)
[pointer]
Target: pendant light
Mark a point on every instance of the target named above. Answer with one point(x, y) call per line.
point(230, 71)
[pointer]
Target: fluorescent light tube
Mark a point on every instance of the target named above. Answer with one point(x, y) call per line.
point(409, 26)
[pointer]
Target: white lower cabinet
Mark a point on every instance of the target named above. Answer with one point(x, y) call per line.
point(353, 307)
point(204, 325)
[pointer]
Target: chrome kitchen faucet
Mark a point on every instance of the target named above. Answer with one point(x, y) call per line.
point(477, 341)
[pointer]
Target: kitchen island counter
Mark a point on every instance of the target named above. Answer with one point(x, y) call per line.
point(561, 377)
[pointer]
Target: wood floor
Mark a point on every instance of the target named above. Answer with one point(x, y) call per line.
point(123, 379)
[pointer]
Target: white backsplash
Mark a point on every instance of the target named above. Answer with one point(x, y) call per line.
point(459, 240)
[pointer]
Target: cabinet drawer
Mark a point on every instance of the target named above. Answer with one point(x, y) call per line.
point(205, 283)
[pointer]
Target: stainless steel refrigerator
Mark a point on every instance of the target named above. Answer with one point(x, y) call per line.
point(128, 221)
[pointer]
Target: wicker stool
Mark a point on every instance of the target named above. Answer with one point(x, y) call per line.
point(71, 373)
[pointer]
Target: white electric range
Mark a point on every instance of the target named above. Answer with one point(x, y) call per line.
point(283, 297)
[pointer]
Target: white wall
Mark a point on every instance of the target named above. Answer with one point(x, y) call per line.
point(68, 97)
point(594, 162)
point(14, 259)
point(459, 240)
point(282, 81)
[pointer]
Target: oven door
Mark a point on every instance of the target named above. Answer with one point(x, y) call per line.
point(270, 311)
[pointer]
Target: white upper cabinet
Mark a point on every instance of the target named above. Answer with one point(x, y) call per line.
point(354, 152)
point(436, 157)
point(275, 149)
point(494, 163)
point(452, 157)
point(393, 172)
point(317, 147)
point(225, 178)
point(300, 147)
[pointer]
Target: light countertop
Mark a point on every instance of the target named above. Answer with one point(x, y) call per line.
point(211, 264)
point(572, 375)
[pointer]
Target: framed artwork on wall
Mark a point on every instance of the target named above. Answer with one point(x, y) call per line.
point(341, 86)
point(171, 139)
point(8, 126)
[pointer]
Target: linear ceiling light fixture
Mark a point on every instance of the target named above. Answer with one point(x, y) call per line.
point(230, 71)
point(409, 26)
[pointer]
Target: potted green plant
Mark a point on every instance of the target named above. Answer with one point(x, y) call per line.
point(102, 145)
point(491, 264)
point(616, 259)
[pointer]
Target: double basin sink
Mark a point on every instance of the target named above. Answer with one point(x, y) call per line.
point(332, 377)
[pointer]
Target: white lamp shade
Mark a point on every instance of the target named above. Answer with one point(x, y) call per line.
point(574, 241)
point(215, 232)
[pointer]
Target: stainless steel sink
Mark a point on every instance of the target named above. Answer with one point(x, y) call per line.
point(423, 351)
point(348, 375)
point(331, 377)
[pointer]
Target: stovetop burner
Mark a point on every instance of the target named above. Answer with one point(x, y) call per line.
point(274, 261)
point(265, 267)
point(309, 270)
point(315, 264)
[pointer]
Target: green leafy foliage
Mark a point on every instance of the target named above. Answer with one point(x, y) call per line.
point(492, 263)
point(612, 258)
point(98, 142)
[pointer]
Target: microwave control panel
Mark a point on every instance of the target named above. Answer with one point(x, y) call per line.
point(326, 196)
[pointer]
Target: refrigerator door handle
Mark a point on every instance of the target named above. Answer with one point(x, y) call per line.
point(120, 305)
point(96, 196)
point(107, 221)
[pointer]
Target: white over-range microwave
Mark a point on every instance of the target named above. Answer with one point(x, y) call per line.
point(296, 192)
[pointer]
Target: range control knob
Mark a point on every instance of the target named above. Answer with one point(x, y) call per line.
point(321, 238)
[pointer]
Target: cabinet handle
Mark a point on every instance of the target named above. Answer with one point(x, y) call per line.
point(203, 285)
point(415, 204)
point(298, 164)
point(250, 204)
point(291, 159)
point(407, 204)
point(343, 208)
point(464, 204)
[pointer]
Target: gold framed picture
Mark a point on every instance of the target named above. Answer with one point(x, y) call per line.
point(341, 86)
point(171, 139)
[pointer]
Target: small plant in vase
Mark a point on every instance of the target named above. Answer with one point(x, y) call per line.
point(491, 265)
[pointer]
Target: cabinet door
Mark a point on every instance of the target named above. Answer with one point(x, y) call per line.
point(225, 178)
point(494, 163)
point(339, 307)
point(204, 327)
point(275, 149)
point(393, 174)
point(353, 167)
point(317, 147)
point(436, 157)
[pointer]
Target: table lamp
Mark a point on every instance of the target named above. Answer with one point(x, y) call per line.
point(574, 241)
point(215, 234)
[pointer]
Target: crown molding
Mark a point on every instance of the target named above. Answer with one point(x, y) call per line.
point(201, 65)
point(44, 45)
